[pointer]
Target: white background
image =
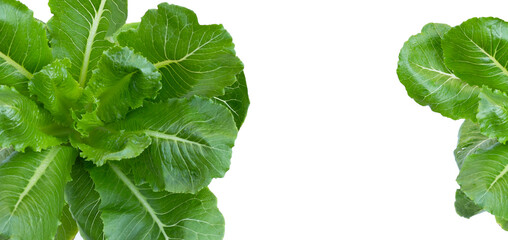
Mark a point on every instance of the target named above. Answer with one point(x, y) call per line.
point(333, 148)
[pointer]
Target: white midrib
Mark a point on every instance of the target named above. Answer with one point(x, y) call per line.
point(160, 135)
point(140, 198)
point(168, 137)
point(170, 61)
point(226, 103)
point(477, 146)
point(436, 71)
point(167, 62)
point(16, 65)
point(89, 43)
point(503, 69)
point(499, 176)
point(39, 171)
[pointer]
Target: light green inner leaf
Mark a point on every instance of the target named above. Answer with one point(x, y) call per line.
point(121, 83)
point(56, 90)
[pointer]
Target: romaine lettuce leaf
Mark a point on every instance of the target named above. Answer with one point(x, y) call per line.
point(24, 47)
point(34, 179)
point(193, 59)
point(131, 211)
point(429, 81)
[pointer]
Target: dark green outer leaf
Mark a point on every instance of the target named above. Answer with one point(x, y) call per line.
point(193, 59)
point(79, 29)
point(429, 82)
point(471, 140)
point(23, 45)
point(67, 229)
point(236, 99)
point(24, 124)
point(464, 206)
point(84, 202)
point(133, 212)
point(27, 182)
point(122, 81)
point(476, 51)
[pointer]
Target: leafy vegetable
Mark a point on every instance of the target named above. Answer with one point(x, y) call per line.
point(114, 129)
point(461, 72)
point(169, 215)
point(24, 47)
point(236, 99)
point(67, 228)
point(429, 81)
point(193, 59)
point(464, 206)
point(34, 179)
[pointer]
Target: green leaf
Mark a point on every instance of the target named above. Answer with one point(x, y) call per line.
point(464, 206)
point(56, 89)
point(193, 59)
point(493, 114)
point(5, 154)
point(84, 202)
point(471, 140)
point(67, 229)
point(484, 179)
point(32, 192)
point(121, 83)
point(23, 123)
point(136, 212)
point(236, 99)
point(503, 223)
point(475, 52)
point(428, 80)
point(86, 122)
point(105, 144)
point(79, 29)
point(124, 28)
point(191, 143)
point(24, 47)
point(85, 114)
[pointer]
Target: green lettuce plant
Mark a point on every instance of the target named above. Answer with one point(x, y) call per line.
point(462, 73)
point(114, 129)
